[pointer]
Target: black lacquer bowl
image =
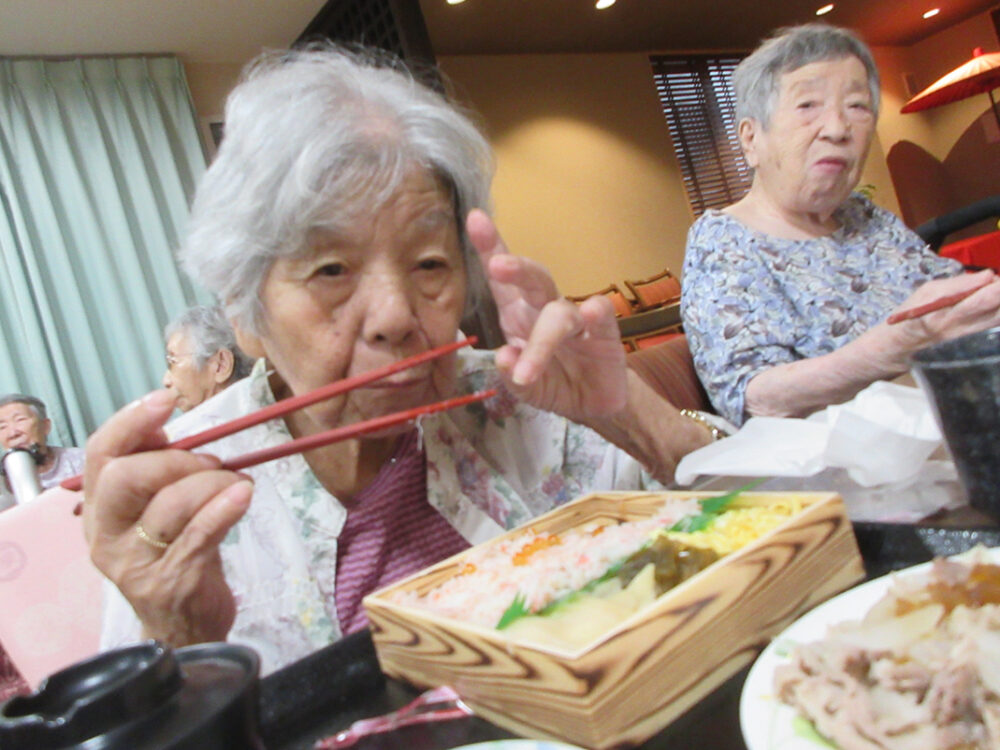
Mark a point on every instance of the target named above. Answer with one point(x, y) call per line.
point(145, 697)
point(962, 379)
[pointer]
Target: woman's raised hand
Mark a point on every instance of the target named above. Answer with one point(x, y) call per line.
point(154, 520)
point(559, 356)
point(979, 310)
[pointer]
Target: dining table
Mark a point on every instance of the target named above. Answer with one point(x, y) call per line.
point(323, 694)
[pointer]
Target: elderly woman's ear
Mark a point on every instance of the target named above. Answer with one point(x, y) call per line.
point(747, 131)
point(248, 342)
point(223, 363)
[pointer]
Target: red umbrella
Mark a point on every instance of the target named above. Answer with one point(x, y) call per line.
point(979, 75)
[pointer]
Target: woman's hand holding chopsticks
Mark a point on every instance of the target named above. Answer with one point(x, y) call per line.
point(155, 513)
point(798, 388)
point(155, 518)
point(945, 309)
point(560, 357)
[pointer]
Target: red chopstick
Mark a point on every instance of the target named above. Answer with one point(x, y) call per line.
point(288, 405)
point(348, 431)
point(939, 304)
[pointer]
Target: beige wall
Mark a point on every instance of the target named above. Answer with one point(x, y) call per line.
point(934, 57)
point(876, 174)
point(953, 150)
point(893, 65)
point(210, 84)
point(586, 178)
point(587, 182)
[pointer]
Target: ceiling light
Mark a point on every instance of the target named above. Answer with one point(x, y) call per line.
point(824, 10)
point(455, 2)
point(932, 12)
point(602, 4)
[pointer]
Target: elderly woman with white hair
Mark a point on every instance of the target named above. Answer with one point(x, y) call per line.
point(202, 356)
point(787, 292)
point(344, 223)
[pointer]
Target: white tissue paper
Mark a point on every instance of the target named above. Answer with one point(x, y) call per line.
point(873, 450)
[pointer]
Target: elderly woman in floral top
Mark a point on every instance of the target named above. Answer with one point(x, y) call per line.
point(786, 291)
point(344, 224)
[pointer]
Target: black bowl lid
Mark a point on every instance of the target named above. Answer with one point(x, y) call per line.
point(144, 697)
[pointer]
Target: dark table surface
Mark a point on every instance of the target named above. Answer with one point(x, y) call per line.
point(302, 704)
point(326, 692)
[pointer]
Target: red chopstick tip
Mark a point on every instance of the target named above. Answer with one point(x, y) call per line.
point(346, 432)
point(939, 304)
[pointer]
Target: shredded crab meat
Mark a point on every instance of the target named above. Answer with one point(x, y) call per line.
point(540, 567)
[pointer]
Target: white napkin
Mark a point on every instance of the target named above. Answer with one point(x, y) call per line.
point(884, 434)
point(882, 440)
point(764, 447)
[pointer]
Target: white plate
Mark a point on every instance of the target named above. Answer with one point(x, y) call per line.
point(767, 723)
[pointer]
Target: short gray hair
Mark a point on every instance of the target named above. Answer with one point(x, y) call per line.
point(35, 404)
point(208, 331)
point(757, 80)
point(313, 137)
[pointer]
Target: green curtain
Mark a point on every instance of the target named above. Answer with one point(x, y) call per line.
point(99, 157)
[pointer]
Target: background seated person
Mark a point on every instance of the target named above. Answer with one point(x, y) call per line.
point(786, 291)
point(24, 424)
point(344, 223)
point(202, 356)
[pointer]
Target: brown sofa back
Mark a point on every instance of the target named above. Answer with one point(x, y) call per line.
point(669, 370)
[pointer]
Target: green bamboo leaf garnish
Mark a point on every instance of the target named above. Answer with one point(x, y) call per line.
point(585, 589)
point(515, 611)
point(711, 508)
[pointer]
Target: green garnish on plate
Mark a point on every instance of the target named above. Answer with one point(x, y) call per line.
point(805, 729)
point(515, 611)
point(711, 508)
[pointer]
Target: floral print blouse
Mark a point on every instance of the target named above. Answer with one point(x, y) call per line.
point(751, 301)
point(490, 467)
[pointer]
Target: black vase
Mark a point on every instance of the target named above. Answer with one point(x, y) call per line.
point(962, 380)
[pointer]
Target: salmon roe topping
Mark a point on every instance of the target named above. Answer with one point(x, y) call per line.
point(522, 556)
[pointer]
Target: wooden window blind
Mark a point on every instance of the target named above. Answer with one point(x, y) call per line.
point(696, 94)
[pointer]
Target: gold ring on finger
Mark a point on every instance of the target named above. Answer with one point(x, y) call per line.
point(151, 541)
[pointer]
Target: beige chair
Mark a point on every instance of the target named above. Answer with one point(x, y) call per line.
point(669, 369)
point(648, 328)
point(656, 291)
point(623, 305)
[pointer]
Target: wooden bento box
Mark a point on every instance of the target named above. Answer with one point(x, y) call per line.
point(644, 673)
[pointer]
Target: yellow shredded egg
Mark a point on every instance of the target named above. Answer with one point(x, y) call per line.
point(738, 526)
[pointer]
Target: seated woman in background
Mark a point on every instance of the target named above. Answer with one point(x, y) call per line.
point(344, 223)
point(202, 356)
point(786, 292)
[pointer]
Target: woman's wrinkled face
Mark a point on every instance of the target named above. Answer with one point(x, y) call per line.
point(810, 156)
point(190, 384)
point(21, 427)
point(391, 286)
